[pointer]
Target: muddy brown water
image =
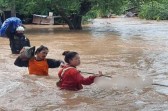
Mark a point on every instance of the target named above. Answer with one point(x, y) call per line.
point(132, 51)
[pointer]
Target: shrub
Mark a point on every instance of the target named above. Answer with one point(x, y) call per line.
point(154, 11)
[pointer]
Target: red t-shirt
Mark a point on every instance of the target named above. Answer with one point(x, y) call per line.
point(71, 79)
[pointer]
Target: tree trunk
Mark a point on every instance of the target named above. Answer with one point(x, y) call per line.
point(75, 20)
point(13, 8)
point(65, 18)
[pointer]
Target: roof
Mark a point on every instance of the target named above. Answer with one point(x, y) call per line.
point(40, 15)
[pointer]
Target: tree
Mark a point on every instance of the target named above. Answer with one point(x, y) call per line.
point(72, 11)
point(73, 15)
point(8, 4)
point(13, 8)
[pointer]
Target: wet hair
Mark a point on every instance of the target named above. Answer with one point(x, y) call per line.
point(69, 55)
point(40, 49)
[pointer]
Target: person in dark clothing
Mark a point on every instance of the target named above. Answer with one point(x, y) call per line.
point(39, 64)
point(17, 39)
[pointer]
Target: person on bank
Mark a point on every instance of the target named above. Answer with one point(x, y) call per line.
point(38, 64)
point(69, 77)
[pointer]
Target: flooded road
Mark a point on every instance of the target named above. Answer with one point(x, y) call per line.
point(134, 52)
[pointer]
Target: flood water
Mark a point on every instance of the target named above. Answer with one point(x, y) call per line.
point(134, 52)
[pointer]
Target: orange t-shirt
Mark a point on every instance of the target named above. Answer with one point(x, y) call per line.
point(38, 67)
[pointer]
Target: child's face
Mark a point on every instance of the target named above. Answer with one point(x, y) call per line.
point(75, 61)
point(42, 54)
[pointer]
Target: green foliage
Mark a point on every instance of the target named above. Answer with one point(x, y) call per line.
point(149, 9)
point(102, 8)
point(91, 14)
point(70, 6)
point(108, 6)
point(155, 10)
point(26, 7)
point(5, 4)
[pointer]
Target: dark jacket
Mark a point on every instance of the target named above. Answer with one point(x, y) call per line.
point(39, 68)
point(17, 41)
point(52, 63)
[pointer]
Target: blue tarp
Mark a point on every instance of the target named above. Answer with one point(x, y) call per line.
point(14, 21)
point(0, 22)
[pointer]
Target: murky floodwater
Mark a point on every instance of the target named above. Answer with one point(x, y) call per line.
point(133, 51)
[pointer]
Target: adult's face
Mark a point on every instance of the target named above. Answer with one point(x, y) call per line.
point(42, 54)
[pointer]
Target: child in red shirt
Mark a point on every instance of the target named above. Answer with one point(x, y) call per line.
point(70, 77)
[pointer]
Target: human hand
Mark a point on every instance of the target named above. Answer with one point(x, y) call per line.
point(99, 75)
point(62, 63)
point(22, 50)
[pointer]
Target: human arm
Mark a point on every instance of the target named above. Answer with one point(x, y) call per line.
point(88, 80)
point(21, 63)
point(52, 63)
point(85, 81)
point(28, 42)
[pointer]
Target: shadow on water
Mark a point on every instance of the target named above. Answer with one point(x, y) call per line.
point(132, 51)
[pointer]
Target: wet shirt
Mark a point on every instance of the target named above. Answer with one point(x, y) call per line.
point(17, 42)
point(38, 67)
point(71, 79)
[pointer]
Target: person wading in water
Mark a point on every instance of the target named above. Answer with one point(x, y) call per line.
point(38, 64)
point(70, 77)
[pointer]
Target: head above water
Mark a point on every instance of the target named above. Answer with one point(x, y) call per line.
point(41, 52)
point(72, 58)
point(20, 29)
